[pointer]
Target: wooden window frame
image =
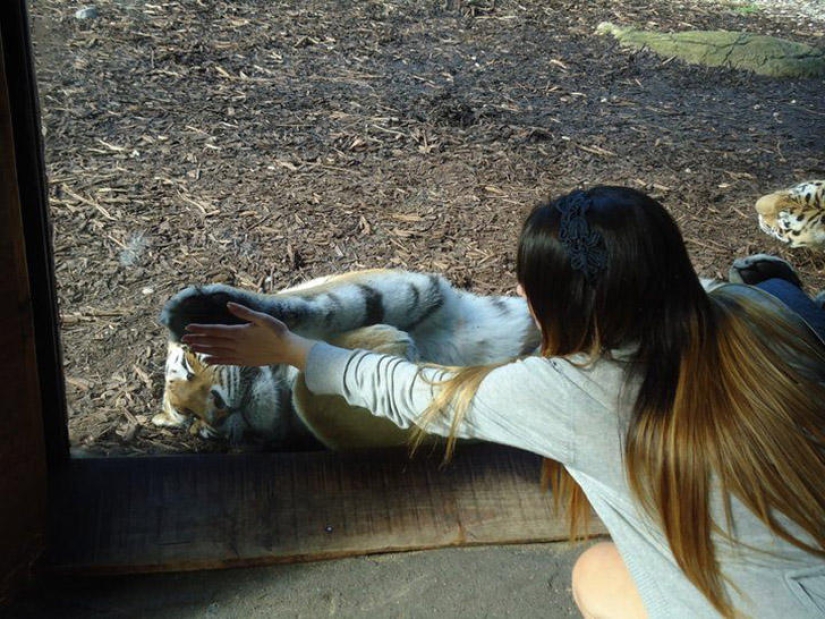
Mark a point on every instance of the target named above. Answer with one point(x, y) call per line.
point(21, 88)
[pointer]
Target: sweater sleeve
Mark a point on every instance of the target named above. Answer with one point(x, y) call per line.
point(525, 404)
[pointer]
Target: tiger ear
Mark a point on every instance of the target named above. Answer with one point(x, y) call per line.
point(192, 364)
point(770, 204)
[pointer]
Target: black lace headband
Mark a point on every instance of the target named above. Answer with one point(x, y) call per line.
point(585, 246)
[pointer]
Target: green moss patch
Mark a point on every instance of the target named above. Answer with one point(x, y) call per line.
point(719, 48)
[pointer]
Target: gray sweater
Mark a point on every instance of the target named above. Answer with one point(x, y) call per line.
point(578, 416)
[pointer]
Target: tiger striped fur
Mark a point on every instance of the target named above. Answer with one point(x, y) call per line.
point(418, 315)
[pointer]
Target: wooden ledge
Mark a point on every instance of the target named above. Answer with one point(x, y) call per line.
point(129, 515)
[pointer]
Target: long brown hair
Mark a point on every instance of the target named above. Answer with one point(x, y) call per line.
point(732, 387)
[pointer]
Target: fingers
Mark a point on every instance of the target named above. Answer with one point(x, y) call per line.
point(226, 332)
point(258, 318)
point(222, 360)
point(208, 343)
point(209, 346)
point(216, 351)
point(241, 311)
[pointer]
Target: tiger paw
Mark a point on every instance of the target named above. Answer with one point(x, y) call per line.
point(757, 268)
point(169, 419)
point(200, 428)
point(203, 305)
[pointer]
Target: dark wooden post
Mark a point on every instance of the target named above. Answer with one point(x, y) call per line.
point(23, 461)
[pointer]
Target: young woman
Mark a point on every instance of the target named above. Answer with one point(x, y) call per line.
point(691, 421)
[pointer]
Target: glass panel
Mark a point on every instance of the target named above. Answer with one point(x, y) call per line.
point(262, 143)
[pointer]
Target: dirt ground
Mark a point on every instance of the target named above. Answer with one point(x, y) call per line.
point(263, 142)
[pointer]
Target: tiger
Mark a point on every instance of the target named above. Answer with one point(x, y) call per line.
point(419, 316)
point(795, 216)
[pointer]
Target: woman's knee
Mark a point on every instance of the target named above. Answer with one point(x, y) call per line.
point(602, 586)
point(587, 577)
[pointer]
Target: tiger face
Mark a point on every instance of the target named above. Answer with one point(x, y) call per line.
point(193, 393)
point(795, 216)
point(208, 398)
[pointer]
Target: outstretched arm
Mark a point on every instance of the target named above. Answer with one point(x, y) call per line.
point(260, 340)
point(526, 404)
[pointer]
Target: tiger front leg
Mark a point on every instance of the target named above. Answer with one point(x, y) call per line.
point(235, 428)
point(207, 305)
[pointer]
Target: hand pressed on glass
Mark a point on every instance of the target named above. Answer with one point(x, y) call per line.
point(262, 340)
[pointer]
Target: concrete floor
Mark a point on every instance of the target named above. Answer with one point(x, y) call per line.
point(520, 581)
